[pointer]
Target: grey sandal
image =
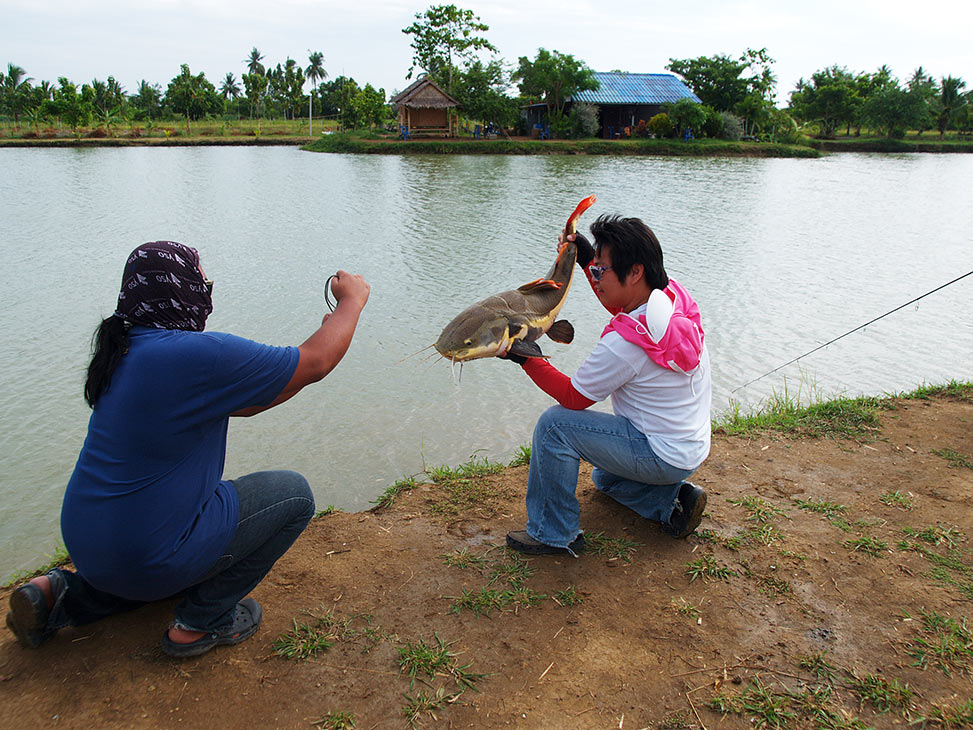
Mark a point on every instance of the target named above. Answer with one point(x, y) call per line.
point(246, 620)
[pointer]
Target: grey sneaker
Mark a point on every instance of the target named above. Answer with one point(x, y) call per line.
point(688, 512)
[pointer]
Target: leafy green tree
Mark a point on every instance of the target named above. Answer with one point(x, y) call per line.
point(74, 108)
point(719, 80)
point(368, 107)
point(192, 96)
point(315, 73)
point(481, 93)
point(829, 98)
point(924, 85)
point(551, 78)
point(951, 101)
point(893, 109)
point(286, 87)
point(255, 86)
point(253, 62)
point(661, 125)
point(443, 37)
point(686, 114)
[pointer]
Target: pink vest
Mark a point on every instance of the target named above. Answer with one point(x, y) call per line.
point(673, 319)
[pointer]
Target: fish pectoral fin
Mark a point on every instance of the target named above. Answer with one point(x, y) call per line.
point(526, 349)
point(539, 285)
point(561, 331)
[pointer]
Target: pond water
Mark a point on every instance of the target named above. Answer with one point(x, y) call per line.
point(782, 255)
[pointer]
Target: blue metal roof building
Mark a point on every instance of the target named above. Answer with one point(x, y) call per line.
point(623, 99)
point(635, 89)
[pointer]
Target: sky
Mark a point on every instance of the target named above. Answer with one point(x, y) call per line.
point(135, 40)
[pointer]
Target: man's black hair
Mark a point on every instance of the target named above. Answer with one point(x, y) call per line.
point(631, 242)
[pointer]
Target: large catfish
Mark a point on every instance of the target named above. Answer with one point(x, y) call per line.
point(512, 321)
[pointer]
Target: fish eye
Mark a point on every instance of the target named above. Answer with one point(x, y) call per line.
point(468, 342)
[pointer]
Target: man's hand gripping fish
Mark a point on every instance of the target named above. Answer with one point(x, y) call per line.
point(512, 321)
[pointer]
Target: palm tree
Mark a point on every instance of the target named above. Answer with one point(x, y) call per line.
point(15, 87)
point(315, 73)
point(950, 101)
point(253, 62)
point(229, 89)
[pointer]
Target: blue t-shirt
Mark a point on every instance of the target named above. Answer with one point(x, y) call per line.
point(146, 512)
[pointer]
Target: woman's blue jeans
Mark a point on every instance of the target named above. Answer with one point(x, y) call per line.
point(625, 468)
point(275, 507)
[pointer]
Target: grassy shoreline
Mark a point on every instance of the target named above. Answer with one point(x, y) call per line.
point(348, 143)
point(355, 143)
point(853, 418)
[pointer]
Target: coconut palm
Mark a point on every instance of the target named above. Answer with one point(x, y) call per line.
point(253, 62)
point(229, 89)
point(950, 101)
point(315, 74)
point(16, 84)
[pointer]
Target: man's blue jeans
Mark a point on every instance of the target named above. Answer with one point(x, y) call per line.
point(625, 468)
point(275, 507)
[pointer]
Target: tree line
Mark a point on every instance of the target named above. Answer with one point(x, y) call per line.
point(449, 45)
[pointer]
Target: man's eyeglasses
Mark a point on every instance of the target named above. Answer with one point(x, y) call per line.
point(597, 271)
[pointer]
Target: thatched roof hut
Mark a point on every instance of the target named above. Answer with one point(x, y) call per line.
point(424, 108)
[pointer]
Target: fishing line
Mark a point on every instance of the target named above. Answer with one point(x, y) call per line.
point(861, 326)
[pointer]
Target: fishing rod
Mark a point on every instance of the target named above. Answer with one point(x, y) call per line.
point(861, 326)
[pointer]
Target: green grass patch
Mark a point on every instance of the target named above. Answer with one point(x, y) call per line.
point(686, 608)
point(464, 559)
point(568, 597)
point(480, 601)
point(758, 510)
point(421, 658)
point(938, 534)
point(773, 586)
point(949, 570)
point(897, 499)
point(512, 569)
point(388, 497)
point(819, 666)
point(305, 641)
point(465, 486)
point(955, 389)
point(522, 457)
point(766, 707)
point(955, 459)
point(871, 546)
point(828, 509)
point(707, 567)
point(315, 633)
point(943, 642)
point(336, 720)
point(841, 418)
point(427, 704)
point(329, 510)
point(598, 543)
point(882, 694)
point(948, 717)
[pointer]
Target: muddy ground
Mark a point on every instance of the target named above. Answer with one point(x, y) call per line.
point(828, 587)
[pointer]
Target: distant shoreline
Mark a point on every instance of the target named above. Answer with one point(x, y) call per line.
point(355, 144)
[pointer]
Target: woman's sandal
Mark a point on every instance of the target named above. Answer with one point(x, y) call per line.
point(246, 620)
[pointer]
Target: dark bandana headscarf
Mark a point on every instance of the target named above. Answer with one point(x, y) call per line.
point(162, 287)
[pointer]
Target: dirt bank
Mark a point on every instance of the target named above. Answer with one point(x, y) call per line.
point(832, 579)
